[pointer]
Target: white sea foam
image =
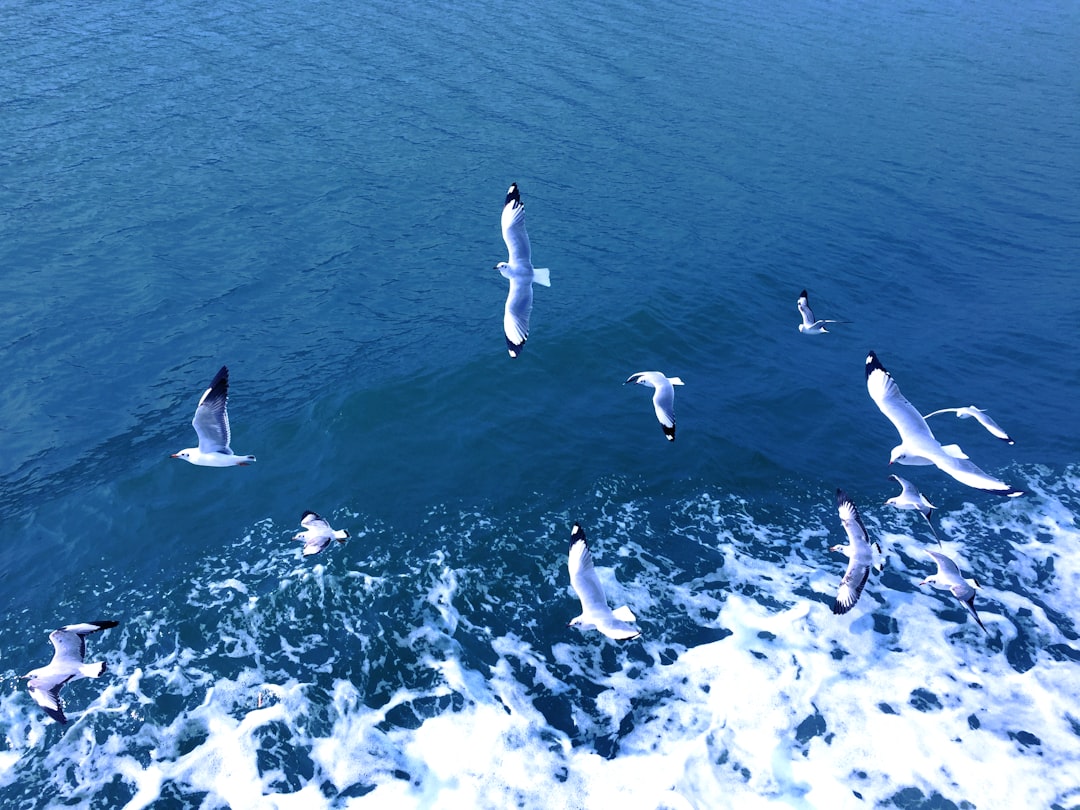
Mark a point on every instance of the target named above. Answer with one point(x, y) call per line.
point(440, 676)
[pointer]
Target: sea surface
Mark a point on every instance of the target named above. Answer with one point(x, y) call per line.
point(309, 193)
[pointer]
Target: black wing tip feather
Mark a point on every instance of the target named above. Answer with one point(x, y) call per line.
point(307, 512)
point(804, 295)
point(669, 432)
point(104, 625)
point(577, 535)
point(873, 364)
point(514, 348)
point(512, 195)
point(221, 378)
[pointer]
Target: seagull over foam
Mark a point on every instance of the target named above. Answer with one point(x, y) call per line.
point(911, 498)
point(317, 533)
point(663, 398)
point(594, 607)
point(809, 325)
point(69, 643)
point(518, 268)
point(980, 416)
point(860, 557)
point(211, 424)
point(917, 443)
point(948, 578)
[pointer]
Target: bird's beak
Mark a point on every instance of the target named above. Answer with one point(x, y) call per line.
point(174, 455)
point(922, 583)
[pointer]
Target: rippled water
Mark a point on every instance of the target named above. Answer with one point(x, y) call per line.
point(311, 194)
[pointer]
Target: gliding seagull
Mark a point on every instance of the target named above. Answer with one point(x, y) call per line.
point(809, 325)
point(980, 417)
point(917, 443)
point(317, 533)
point(594, 607)
point(663, 399)
point(211, 425)
point(518, 268)
point(69, 644)
point(911, 498)
point(948, 578)
point(860, 558)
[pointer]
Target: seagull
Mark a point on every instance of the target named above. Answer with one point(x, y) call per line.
point(948, 578)
point(518, 268)
point(917, 444)
point(69, 643)
point(911, 498)
point(211, 423)
point(594, 607)
point(317, 533)
point(858, 552)
point(809, 325)
point(663, 399)
point(980, 417)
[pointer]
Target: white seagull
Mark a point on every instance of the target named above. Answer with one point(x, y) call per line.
point(211, 424)
point(911, 498)
point(917, 443)
point(860, 557)
point(518, 268)
point(948, 578)
point(317, 533)
point(594, 607)
point(980, 416)
point(663, 399)
point(809, 325)
point(69, 643)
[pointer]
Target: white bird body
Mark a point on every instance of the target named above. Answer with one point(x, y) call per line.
point(519, 270)
point(595, 612)
point(811, 325)
point(663, 397)
point(911, 498)
point(917, 443)
point(67, 664)
point(317, 533)
point(860, 557)
point(980, 416)
point(948, 578)
point(211, 425)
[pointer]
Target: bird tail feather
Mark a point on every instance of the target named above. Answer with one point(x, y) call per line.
point(624, 614)
point(542, 276)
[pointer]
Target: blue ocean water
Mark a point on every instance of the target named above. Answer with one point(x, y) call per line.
point(311, 195)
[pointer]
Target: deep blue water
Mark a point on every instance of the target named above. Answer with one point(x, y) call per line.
point(311, 195)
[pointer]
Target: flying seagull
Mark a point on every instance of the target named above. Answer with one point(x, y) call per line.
point(911, 498)
point(69, 643)
point(948, 578)
point(594, 607)
point(663, 399)
point(317, 533)
point(917, 444)
point(518, 268)
point(809, 325)
point(211, 424)
point(860, 557)
point(980, 416)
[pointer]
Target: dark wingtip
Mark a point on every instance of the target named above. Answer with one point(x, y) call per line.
point(873, 364)
point(803, 294)
point(307, 512)
point(512, 194)
point(669, 432)
point(577, 535)
point(105, 625)
point(221, 378)
point(514, 348)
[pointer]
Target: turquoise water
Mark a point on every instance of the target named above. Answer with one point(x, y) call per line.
point(311, 195)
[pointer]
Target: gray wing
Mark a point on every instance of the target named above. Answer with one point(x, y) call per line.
point(886, 394)
point(583, 576)
point(664, 402)
point(946, 567)
point(211, 420)
point(69, 642)
point(516, 314)
point(983, 419)
point(965, 471)
point(805, 311)
point(513, 230)
point(859, 560)
point(311, 520)
point(46, 694)
point(851, 520)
